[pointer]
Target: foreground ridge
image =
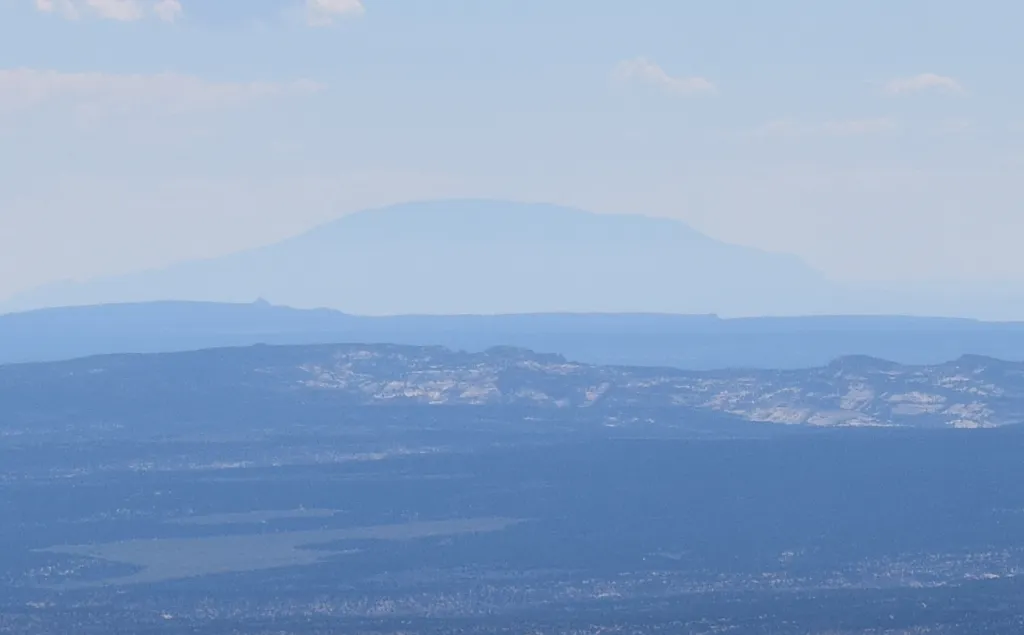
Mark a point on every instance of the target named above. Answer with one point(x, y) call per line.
point(970, 392)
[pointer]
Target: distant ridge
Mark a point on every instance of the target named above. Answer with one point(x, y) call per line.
point(683, 341)
point(478, 257)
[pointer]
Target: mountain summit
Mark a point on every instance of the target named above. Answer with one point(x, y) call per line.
point(477, 256)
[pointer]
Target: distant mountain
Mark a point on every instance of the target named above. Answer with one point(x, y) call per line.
point(685, 341)
point(477, 256)
point(207, 386)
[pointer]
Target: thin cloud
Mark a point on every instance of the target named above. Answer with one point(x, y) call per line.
point(835, 128)
point(921, 83)
point(105, 94)
point(168, 10)
point(64, 8)
point(955, 126)
point(117, 10)
point(314, 12)
point(645, 71)
point(326, 12)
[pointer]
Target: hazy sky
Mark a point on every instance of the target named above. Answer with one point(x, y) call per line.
point(878, 140)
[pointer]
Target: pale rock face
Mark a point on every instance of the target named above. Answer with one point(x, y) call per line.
point(789, 416)
point(862, 392)
point(968, 424)
point(595, 392)
point(848, 393)
point(917, 403)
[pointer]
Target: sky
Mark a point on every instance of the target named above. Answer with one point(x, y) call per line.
point(877, 140)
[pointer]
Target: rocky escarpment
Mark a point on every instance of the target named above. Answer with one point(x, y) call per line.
point(969, 392)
